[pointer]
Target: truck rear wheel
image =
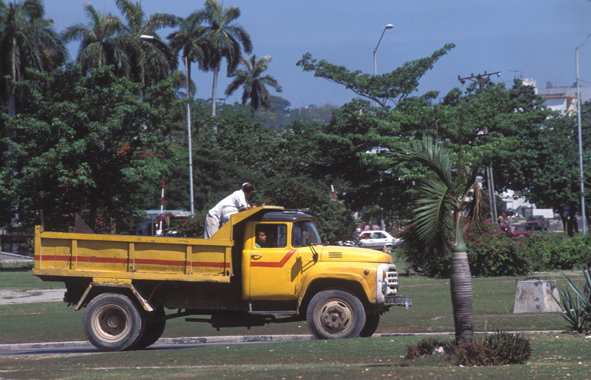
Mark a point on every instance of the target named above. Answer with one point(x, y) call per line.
point(112, 322)
point(372, 321)
point(155, 324)
point(335, 314)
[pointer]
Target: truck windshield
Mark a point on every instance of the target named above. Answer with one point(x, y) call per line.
point(304, 234)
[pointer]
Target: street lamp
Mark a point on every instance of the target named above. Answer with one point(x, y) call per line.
point(188, 120)
point(375, 72)
point(581, 138)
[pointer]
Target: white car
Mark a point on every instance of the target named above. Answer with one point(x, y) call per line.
point(374, 240)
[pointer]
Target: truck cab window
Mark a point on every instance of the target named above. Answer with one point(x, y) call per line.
point(271, 236)
point(304, 234)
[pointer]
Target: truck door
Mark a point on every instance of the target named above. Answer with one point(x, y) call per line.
point(274, 265)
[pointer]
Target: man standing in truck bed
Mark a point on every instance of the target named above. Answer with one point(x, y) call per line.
point(235, 202)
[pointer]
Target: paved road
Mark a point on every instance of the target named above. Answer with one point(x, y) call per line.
point(8, 297)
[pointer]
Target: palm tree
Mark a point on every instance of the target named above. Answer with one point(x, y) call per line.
point(98, 46)
point(151, 59)
point(225, 40)
point(437, 214)
point(27, 40)
point(253, 83)
point(190, 42)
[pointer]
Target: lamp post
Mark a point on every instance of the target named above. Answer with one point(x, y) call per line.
point(188, 121)
point(582, 182)
point(375, 72)
point(489, 172)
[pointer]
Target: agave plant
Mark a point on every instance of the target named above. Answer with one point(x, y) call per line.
point(577, 309)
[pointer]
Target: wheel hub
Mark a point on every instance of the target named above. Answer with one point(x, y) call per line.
point(336, 316)
point(113, 322)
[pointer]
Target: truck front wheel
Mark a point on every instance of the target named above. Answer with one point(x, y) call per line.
point(112, 322)
point(335, 314)
point(372, 322)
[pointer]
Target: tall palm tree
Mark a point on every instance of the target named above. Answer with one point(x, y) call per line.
point(98, 46)
point(253, 83)
point(190, 42)
point(151, 59)
point(27, 40)
point(437, 215)
point(225, 39)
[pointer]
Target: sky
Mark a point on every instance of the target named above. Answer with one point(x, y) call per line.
point(520, 38)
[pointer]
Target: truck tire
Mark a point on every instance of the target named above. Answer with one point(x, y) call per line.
point(372, 321)
point(155, 324)
point(335, 314)
point(112, 322)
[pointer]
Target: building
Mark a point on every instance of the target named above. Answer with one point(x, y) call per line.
point(560, 98)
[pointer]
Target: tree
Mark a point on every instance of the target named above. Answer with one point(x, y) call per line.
point(189, 41)
point(276, 117)
point(27, 40)
point(253, 82)
point(226, 39)
point(98, 45)
point(86, 146)
point(151, 60)
point(396, 85)
point(432, 226)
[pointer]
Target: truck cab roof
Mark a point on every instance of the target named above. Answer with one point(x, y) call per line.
point(285, 216)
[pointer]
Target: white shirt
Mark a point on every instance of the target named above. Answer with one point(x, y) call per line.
point(229, 205)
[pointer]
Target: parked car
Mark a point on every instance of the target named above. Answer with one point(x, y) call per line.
point(537, 222)
point(510, 212)
point(373, 240)
point(516, 231)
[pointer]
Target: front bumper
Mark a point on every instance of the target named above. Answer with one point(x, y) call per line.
point(398, 301)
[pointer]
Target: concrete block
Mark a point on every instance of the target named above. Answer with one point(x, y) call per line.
point(536, 297)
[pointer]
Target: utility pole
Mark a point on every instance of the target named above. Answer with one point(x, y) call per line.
point(479, 78)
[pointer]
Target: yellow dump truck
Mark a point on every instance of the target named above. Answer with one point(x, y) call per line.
point(131, 285)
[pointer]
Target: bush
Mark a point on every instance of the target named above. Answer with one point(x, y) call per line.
point(500, 348)
point(491, 253)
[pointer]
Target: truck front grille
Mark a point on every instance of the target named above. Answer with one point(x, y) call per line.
point(392, 279)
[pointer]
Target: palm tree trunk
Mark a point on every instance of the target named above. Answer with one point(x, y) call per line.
point(214, 92)
point(461, 291)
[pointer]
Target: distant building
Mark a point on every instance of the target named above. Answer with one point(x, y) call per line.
point(560, 98)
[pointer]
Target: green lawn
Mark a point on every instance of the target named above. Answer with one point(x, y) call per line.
point(431, 312)
point(555, 355)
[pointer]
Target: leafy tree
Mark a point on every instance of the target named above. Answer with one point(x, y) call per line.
point(27, 39)
point(253, 82)
point(276, 116)
point(396, 85)
point(549, 175)
point(440, 198)
point(226, 39)
point(313, 113)
point(86, 147)
point(98, 45)
point(151, 60)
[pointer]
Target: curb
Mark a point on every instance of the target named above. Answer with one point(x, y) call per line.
point(235, 339)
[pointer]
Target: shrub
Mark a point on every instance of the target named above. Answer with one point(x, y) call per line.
point(491, 253)
point(500, 348)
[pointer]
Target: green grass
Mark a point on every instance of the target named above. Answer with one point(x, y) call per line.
point(23, 279)
point(554, 356)
point(431, 312)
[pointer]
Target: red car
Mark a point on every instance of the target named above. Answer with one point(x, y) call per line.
point(516, 231)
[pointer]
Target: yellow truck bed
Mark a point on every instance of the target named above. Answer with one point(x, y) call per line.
point(132, 257)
